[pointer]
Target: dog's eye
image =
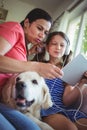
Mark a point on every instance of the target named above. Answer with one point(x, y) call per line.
point(17, 79)
point(34, 81)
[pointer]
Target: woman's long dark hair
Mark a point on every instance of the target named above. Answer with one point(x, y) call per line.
point(37, 13)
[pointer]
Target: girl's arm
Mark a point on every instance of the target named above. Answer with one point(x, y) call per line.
point(72, 93)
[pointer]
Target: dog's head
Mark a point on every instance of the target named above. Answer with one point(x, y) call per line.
point(30, 89)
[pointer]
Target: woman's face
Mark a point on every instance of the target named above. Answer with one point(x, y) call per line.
point(57, 46)
point(36, 31)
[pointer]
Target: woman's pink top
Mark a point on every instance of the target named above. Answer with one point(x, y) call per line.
point(13, 33)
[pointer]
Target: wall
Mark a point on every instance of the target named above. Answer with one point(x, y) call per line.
point(62, 7)
point(16, 10)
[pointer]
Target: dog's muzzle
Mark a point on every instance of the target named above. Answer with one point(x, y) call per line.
point(20, 98)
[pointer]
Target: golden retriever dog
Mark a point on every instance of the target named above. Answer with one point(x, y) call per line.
point(28, 93)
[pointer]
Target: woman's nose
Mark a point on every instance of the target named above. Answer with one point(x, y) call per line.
point(42, 35)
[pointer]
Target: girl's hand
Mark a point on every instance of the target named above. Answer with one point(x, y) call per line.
point(83, 80)
point(36, 49)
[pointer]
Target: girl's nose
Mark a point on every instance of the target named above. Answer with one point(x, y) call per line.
point(58, 46)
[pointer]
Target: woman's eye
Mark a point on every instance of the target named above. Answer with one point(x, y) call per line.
point(39, 28)
point(46, 33)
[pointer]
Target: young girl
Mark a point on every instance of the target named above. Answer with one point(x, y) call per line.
point(14, 38)
point(62, 115)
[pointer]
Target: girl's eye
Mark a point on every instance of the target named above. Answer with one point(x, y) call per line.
point(53, 43)
point(62, 45)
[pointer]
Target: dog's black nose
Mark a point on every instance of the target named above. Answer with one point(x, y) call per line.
point(20, 85)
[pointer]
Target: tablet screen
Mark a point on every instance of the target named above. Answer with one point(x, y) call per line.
point(74, 70)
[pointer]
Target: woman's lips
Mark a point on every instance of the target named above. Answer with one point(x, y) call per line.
point(38, 40)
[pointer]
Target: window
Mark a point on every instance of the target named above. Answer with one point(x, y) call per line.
point(73, 32)
point(74, 24)
point(84, 39)
point(77, 33)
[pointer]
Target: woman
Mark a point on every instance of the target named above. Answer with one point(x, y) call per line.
point(14, 38)
point(62, 115)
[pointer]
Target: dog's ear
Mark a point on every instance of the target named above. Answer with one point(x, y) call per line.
point(47, 102)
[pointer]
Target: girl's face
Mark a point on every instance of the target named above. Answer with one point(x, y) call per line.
point(36, 31)
point(57, 46)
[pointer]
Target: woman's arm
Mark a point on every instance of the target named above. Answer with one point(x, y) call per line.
point(9, 65)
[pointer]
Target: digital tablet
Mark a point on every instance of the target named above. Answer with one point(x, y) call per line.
point(74, 70)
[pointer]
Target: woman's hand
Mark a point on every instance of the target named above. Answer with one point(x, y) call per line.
point(48, 70)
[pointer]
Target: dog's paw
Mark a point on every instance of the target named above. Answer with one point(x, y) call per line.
point(45, 126)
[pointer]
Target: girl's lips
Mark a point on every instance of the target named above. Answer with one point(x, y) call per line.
point(57, 52)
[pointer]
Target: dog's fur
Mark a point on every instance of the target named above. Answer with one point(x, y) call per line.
point(28, 93)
